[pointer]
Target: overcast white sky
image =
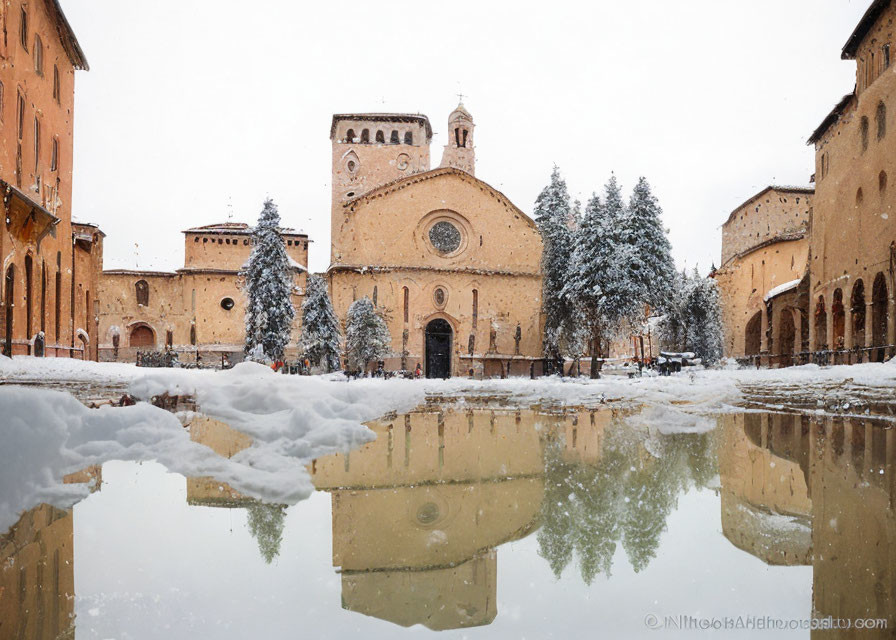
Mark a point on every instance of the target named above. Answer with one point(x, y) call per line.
point(193, 109)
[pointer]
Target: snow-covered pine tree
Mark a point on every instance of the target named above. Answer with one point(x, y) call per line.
point(673, 325)
point(602, 279)
point(321, 335)
point(657, 269)
point(367, 338)
point(557, 219)
point(268, 284)
point(693, 320)
point(704, 319)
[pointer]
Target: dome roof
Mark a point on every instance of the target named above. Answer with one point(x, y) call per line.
point(460, 113)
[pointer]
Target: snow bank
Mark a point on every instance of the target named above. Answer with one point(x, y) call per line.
point(29, 368)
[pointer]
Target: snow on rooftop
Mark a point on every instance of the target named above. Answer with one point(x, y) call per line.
point(782, 288)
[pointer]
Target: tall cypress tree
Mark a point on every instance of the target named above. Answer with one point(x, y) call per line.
point(320, 327)
point(268, 284)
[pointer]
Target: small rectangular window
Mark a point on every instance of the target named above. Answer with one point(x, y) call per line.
point(886, 56)
point(23, 29)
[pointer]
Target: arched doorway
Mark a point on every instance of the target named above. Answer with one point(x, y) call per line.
point(857, 313)
point(85, 345)
point(439, 338)
point(9, 287)
point(787, 338)
point(838, 313)
point(142, 336)
point(821, 325)
point(753, 336)
point(879, 318)
point(39, 345)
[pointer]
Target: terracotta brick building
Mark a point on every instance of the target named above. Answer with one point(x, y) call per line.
point(814, 278)
point(48, 287)
point(452, 264)
point(199, 310)
point(763, 278)
point(853, 239)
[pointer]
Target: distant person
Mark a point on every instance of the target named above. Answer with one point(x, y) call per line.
point(418, 372)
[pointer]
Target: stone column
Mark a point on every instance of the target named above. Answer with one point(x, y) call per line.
point(891, 325)
point(763, 335)
point(811, 320)
point(829, 329)
point(869, 328)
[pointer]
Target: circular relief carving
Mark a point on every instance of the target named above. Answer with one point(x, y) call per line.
point(444, 236)
point(227, 304)
point(404, 160)
point(440, 296)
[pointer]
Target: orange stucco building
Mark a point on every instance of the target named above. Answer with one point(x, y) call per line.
point(48, 290)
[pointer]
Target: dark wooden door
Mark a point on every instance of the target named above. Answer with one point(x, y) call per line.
point(438, 349)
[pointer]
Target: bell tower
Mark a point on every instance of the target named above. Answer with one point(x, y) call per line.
point(459, 152)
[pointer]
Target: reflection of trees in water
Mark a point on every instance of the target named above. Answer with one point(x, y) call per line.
point(624, 498)
point(266, 526)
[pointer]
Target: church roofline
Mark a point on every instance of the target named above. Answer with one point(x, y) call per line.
point(237, 229)
point(831, 118)
point(865, 24)
point(382, 117)
point(783, 189)
point(67, 35)
point(395, 185)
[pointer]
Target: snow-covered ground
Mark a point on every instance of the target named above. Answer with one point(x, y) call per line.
point(45, 434)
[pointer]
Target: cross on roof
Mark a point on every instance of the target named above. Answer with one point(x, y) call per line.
point(460, 97)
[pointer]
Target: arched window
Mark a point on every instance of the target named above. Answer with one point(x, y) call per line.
point(393, 139)
point(864, 132)
point(881, 117)
point(457, 136)
point(475, 305)
point(38, 55)
point(406, 303)
point(380, 137)
point(350, 135)
point(860, 197)
point(408, 137)
point(463, 139)
point(56, 87)
point(374, 295)
point(142, 290)
point(365, 136)
point(882, 181)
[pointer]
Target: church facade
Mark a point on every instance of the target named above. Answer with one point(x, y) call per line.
point(450, 262)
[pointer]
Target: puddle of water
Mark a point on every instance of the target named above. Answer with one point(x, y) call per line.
point(496, 522)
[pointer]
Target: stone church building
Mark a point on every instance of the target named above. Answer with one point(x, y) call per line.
point(197, 311)
point(449, 261)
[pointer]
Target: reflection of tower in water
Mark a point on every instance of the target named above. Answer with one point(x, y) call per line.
point(838, 475)
point(418, 512)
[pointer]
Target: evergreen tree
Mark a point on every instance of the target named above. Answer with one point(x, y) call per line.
point(604, 278)
point(268, 283)
point(321, 334)
point(693, 320)
point(657, 269)
point(367, 338)
point(704, 319)
point(557, 219)
point(266, 526)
